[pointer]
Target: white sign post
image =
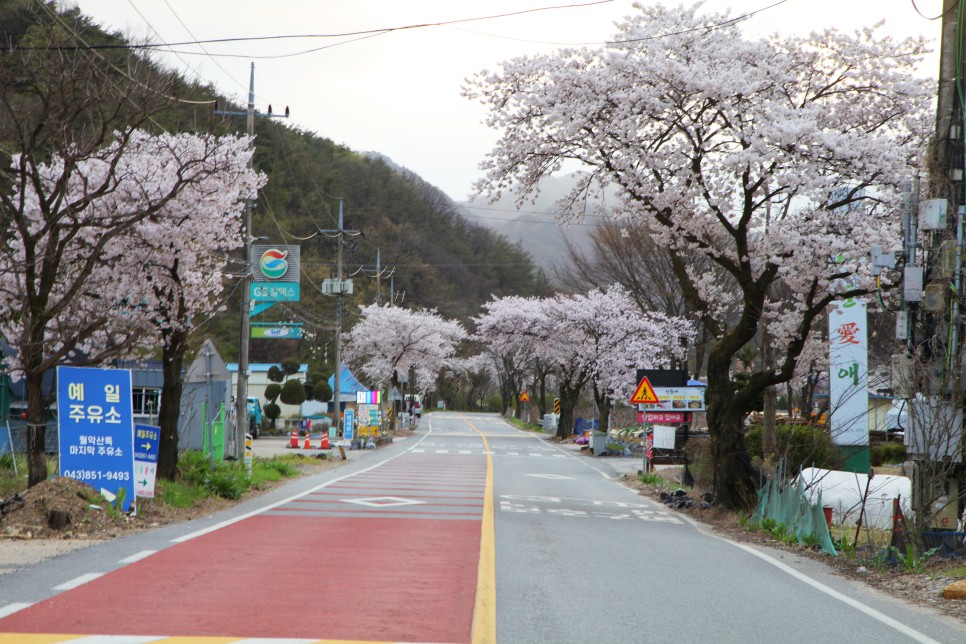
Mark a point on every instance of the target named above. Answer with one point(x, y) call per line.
point(848, 370)
point(147, 439)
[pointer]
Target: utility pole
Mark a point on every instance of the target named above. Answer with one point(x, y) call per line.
point(378, 273)
point(937, 277)
point(241, 397)
point(338, 288)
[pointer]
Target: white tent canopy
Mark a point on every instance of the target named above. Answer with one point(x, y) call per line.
point(843, 491)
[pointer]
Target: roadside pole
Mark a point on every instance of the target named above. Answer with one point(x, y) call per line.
point(241, 399)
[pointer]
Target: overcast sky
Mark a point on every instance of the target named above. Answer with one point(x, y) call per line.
point(399, 93)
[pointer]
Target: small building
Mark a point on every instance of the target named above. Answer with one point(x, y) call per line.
point(258, 381)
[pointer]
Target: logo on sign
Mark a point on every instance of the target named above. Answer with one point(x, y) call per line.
point(276, 333)
point(273, 263)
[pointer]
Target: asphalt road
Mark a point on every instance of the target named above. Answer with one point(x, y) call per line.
point(470, 531)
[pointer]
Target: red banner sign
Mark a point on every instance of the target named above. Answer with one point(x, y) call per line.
point(665, 416)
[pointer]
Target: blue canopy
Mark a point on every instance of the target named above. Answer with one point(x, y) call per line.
point(348, 384)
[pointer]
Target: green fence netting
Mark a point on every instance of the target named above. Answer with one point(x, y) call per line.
point(788, 506)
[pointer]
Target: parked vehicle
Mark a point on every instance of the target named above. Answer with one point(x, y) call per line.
point(254, 416)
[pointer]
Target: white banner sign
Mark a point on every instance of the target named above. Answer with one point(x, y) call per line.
point(663, 437)
point(848, 369)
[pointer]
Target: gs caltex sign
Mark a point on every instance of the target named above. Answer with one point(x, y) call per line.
point(275, 272)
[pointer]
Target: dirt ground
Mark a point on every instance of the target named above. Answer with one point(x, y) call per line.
point(922, 588)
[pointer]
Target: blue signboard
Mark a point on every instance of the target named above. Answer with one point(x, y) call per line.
point(146, 441)
point(96, 429)
point(348, 426)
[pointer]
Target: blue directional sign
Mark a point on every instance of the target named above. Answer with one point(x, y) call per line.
point(147, 438)
point(348, 425)
point(96, 429)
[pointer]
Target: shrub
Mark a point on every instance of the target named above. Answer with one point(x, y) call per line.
point(193, 467)
point(887, 453)
point(272, 412)
point(293, 392)
point(321, 391)
point(227, 481)
point(800, 446)
point(272, 392)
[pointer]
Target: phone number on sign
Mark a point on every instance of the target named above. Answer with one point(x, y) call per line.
point(95, 475)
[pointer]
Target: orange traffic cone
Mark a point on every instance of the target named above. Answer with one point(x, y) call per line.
point(325, 439)
point(308, 443)
point(294, 440)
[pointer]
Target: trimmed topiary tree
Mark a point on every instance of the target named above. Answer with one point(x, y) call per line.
point(321, 391)
point(272, 412)
point(293, 392)
point(272, 392)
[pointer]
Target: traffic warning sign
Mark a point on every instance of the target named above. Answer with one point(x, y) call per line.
point(644, 394)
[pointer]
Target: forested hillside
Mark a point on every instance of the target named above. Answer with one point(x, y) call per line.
point(430, 256)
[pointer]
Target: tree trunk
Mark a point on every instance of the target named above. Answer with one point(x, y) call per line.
point(540, 395)
point(603, 408)
point(569, 396)
point(36, 428)
point(734, 477)
point(174, 344)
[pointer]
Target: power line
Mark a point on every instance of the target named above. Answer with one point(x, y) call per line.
point(57, 18)
point(366, 32)
point(916, 7)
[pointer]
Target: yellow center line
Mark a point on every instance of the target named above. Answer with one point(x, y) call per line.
point(484, 610)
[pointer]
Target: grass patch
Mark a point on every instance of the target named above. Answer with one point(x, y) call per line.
point(658, 481)
point(525, 426)
point(266, 471)
point(179, 494)
point(955, 573)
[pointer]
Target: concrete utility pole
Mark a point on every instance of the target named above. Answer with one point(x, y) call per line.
point(339, 288)
point(937, 276)
point(379, 273)
point(241, 397)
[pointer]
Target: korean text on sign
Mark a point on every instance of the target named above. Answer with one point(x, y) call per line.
point(96, 429)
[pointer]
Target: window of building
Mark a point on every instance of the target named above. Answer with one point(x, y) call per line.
point(145, 401)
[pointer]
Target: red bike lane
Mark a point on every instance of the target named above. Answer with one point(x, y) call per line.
point(390, 554)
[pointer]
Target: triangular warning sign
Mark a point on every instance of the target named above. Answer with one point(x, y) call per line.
point(644, 394)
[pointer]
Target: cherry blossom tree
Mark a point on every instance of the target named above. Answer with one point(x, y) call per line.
point(704, 132)
point(599, 338)
point(179, 258)
point(80, 278)
point(389, 339)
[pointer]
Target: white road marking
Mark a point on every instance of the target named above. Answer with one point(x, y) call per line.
point(552, 477)
point(137, 556)
point(117, 639)
point(79, 581)
point(384, 501)
point(12, 608)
